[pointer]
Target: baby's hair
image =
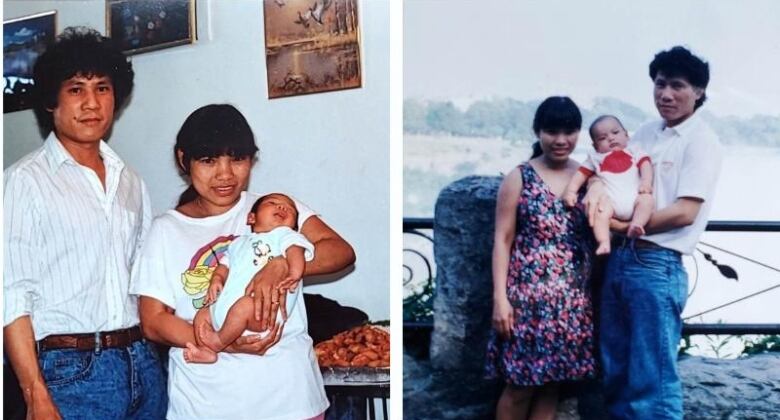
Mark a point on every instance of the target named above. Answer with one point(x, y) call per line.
point(266, 197)
point(602, 118)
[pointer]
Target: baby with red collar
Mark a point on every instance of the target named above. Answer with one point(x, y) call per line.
point(627, 175)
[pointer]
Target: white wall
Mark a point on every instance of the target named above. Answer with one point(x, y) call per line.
point(330, 150)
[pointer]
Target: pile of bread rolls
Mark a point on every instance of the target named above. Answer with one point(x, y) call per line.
point(364, 346)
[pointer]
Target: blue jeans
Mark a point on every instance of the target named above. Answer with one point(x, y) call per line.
point(117, 383)
point(643, 295)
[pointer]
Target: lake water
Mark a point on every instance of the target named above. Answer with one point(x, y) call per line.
point(747, 190)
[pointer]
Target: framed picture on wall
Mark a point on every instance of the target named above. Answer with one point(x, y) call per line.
point(311, 46)
point(24, 39)
point(147, 25)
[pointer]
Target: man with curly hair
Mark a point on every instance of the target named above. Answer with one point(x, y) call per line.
point(75, 216)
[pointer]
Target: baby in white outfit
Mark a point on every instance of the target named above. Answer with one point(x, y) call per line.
point(627, 175)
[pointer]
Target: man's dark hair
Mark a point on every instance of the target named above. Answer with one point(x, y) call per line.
point(78, 51)
point(680, 62)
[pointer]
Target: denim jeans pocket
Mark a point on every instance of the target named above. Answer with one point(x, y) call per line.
point(62, 367)
point(681, 282)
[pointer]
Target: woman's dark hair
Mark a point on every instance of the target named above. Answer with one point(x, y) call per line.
point(680, 62)
point(78, 51)
point(212, 131)
point(556, 113)
point(536, 150)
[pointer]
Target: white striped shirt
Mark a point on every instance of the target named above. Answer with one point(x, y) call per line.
point(69, 244)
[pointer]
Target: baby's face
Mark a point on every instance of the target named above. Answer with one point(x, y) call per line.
point(274, 211)
point(608, 135)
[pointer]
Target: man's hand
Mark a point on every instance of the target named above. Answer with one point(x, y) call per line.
point(254, 344)
point(645, 188)
point(264, 288)
point(39, 403)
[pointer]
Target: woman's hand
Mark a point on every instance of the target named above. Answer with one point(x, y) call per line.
point(593, 198)
point(503, 317)
point(254, 344)
point(264, 288)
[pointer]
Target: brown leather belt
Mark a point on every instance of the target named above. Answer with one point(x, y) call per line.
point(91, 341)
point(618, 241)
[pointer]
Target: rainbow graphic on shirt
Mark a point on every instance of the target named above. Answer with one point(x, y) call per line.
point(196, 279)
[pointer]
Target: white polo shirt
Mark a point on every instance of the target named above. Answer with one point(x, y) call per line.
point(686, 160)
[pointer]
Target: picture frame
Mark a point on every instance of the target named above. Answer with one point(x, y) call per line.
point(311, 46)
point(141, 26)
point(24, 39)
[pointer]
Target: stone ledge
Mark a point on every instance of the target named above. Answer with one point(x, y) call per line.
point(734, 389)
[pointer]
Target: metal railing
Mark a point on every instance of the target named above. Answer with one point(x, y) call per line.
point(415, 226)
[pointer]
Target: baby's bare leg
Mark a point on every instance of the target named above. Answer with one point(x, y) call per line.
point(601, 225)
point(643, 209)
point(240, 317)
point(201, 322)
point(200, 353)
point(205, 335)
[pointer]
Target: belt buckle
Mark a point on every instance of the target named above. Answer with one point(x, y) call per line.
point(97, 342)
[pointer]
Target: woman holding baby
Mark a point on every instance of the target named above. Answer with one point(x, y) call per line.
point(254, 378)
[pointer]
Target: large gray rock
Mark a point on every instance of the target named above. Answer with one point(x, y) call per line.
point(446, 394)
point(714, 389)
point(463, 242)
point(739, 389)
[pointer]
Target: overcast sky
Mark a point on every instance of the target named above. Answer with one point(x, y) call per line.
point(464, 50)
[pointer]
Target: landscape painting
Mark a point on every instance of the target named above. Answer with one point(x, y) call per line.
point(147, 25)
point(311, 46)
point(24, 39)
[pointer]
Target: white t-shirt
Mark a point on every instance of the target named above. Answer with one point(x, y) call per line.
point(174, 267)
point(686, 162)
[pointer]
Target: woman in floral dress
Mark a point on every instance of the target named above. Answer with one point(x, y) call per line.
point(542, 314)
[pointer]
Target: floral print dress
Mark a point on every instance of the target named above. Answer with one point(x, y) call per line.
point(547, 285)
